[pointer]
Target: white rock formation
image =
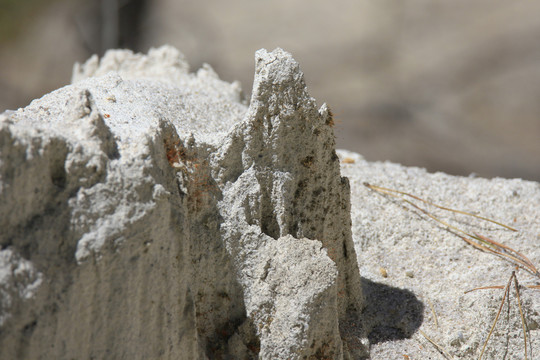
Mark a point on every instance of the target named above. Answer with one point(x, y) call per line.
point(147, 212)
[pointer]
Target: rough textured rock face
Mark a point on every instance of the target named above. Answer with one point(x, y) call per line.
point(148, 212)
point(417, 276)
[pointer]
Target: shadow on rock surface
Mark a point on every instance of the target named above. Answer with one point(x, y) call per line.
point(391, 313)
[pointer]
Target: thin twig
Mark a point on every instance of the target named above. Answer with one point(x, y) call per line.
point(437, 346)
point(535, 287)
point(433, 312)
point(485, 288)
point(523, 324)
point(519, 257)
point(389, 191)
point(482, 242)
point(506, 293)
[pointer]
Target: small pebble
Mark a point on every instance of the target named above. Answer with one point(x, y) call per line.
point(458, 339)
point(383, 272)
point(348, 160)
point(409, 273)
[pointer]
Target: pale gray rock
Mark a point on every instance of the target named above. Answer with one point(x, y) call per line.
point(148, 212)
point(401, 310)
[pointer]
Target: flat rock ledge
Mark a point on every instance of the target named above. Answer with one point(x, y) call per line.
point(147, 212)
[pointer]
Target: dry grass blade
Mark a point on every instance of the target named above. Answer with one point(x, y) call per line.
point(485, 288)
point(535, 287)
point(437, 346)
point(506, 293)
point(517, 256)
point(403, 193)
point(523, 323)
point(433, 312)
point(505, 296)
point(480, 242)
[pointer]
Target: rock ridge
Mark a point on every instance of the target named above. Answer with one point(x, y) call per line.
point(151, 213)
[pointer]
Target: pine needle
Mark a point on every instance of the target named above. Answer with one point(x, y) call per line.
point(433, 312)
point(392, 191)
point(479, 242)
point(522, 316)
point(476, 240)
point(506, 291)
point(523, 323)
point(437, 346)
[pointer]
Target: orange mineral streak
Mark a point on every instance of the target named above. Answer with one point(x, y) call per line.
point(199, 183)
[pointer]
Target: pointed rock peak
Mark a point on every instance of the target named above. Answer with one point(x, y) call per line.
point(277, 75)
point(277, 66)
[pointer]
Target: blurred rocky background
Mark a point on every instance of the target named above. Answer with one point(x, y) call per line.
point(447, 85)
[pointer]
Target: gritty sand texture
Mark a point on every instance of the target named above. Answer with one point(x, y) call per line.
point(428, 268)
point(150, 212)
